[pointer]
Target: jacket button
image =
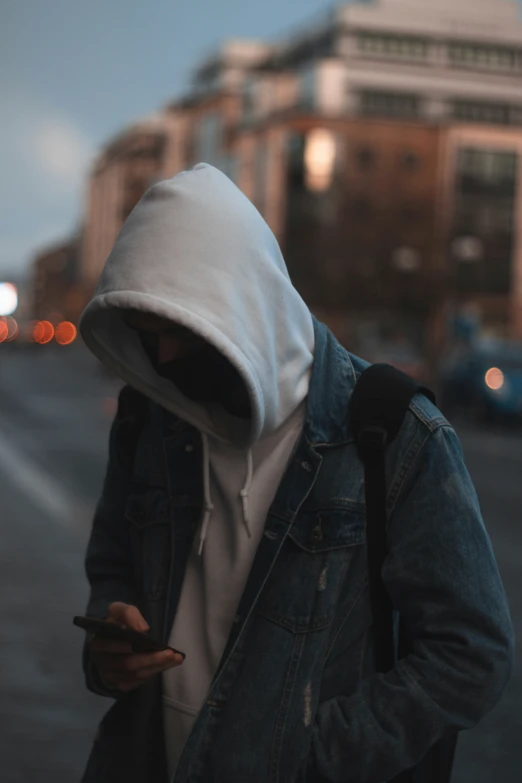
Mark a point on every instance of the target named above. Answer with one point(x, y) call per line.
point(317, 535)
point(189, 447)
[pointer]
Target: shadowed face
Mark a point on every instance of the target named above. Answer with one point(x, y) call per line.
point(198, 370)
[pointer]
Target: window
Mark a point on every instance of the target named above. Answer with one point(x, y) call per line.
point(296, 171)
point(479, 215)
point(490, 167)
point(308, 88)
point(366, 158)
point(248, 101)
point(409, 161)
point(209, 138)
point(485, 210)
point(260, 176)
point(410, 212)
point(497, 217)
point(394, 46)
point(390, 104)
point(362, 208)
point(496, 58)
point(189, 148)
point(489, 113)
point(230, 167)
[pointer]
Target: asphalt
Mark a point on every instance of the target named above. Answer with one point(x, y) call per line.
point(56, 407)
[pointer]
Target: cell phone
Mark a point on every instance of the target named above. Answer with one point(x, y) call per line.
point(141, 643)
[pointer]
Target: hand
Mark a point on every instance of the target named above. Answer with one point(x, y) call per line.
point(118, 666)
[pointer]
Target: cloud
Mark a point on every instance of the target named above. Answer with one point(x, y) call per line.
point(45, 159)
point(40, 142)
point(62, 150)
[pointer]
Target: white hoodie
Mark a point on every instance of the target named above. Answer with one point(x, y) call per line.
point(196, 251)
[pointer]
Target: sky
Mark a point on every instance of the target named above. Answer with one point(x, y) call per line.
point(74, 73)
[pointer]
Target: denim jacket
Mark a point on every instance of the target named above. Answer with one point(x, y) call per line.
point(296, 698)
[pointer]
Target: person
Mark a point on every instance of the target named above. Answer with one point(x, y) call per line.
point(231, 526)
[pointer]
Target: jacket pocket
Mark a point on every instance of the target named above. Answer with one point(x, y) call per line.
point(323, 549)
point(150, 532)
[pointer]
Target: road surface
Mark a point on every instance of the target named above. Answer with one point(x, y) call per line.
point(56, 408)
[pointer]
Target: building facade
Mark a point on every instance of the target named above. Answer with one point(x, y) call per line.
point(383, 145)
point(55, 293)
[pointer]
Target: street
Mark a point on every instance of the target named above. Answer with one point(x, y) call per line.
point(56, 408)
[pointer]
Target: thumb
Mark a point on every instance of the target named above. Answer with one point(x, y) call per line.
point(128, 615)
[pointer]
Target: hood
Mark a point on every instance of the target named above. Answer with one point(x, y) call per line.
point(196, 251)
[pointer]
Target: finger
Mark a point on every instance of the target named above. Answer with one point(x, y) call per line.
point(127, 615)
point(127, 665)
point(148, 661)
point(124, 681)
point(143, 675)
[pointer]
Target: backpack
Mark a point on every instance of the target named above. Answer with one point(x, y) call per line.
point(376, 411)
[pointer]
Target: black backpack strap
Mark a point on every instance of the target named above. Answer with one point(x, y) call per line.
point(378, 405)
point(381, 397)
point(377, 408)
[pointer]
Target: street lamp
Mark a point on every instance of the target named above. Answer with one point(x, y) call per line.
point(406, 259)
point(319, 159)
point(468, 249)
point(8, 298)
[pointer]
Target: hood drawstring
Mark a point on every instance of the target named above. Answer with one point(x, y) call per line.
point(209, 507)
point(244, 492)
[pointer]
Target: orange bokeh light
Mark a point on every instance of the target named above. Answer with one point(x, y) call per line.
point(12, 328)
point(4, 329)
point(65, 333)
point(43, 332)
point(495, 378)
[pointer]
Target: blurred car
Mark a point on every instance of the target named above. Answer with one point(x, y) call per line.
point(485, 380)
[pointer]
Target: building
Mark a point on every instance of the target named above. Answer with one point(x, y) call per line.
point(382, 144)
point(55, 293)
point(122, 173)
point(481, 214)
point(159, 146)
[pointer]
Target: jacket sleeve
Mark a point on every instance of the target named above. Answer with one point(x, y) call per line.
point(442, 576)
point(108, 561)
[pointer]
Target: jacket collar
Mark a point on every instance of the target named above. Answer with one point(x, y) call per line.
point(331, 384)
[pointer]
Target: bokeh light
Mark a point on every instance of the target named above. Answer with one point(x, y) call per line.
point(319, 158)
point(494, 379)
point(65, 333)
point(43, 332)
point(12, 328)
point(4, 329)
point(8, 298)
